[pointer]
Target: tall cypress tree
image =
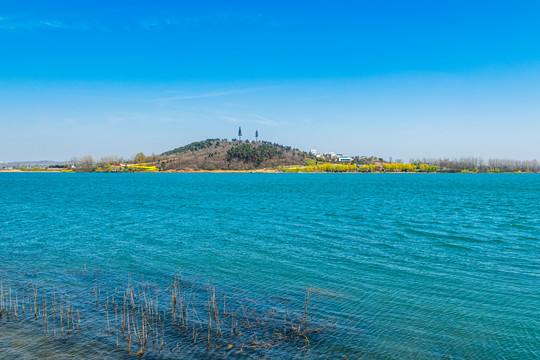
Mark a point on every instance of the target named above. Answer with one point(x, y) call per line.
point(240, 133)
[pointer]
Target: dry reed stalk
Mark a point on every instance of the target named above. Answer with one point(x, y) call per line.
point(181, 310)
point(157, 309)
point(155, 341)
point(284, 324)
point(224, 307)
point(162, 337)
point(54, 312)
point(306, 302)
point(116, 323)
point(209, 326)
point(128, 332)
point(16, 304)
point(143, 332)
point(108, 326)
point(61, 316)
point(136, 328)
point(245, 316)
point(67, 314)
point(35, 302)
point(46, 318)
point(173, 304)
point(72, 316)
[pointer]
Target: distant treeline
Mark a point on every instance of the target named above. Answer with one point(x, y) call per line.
point(140, 163)
point(475, 164)
point(222, 154)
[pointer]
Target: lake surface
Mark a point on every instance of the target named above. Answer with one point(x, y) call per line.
point(400, 266)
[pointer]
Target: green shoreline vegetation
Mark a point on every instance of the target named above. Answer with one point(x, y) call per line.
point(221, 155)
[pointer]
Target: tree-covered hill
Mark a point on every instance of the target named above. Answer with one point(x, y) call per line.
point(194, 146)
point(220, 154)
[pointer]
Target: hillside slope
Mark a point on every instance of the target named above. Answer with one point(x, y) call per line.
point(216, 154)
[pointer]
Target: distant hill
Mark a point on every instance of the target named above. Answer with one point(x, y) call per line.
point(218, 154)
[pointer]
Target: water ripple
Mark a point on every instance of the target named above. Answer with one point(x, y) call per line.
point(422, 266)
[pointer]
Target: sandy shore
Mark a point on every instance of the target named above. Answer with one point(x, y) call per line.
point(163, 172)
point(28, 171)
point(261, 171)
point(221, 171)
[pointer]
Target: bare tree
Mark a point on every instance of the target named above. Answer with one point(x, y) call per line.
point(86, 163)
point(479, 165)
point(111, 159)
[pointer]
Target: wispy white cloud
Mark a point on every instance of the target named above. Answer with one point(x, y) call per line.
point(213, 94)
point(157, 24)
point(161, 24)
point(51, 24)
point(25, 22)
point(203, 95)
point(29, 21)
point(195, 116)
point(234, 119)
point(253, 119)
point(194, 20)
point(214, 19)
point(251, 18)
point(146, 118)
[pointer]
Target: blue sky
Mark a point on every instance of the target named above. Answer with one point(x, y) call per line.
point(384, 78)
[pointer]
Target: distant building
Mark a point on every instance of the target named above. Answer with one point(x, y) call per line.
point(313, 152)
point(338, 157)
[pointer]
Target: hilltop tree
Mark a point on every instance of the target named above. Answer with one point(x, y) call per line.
point(256, 135)
point(139, 158)
point(240, 133)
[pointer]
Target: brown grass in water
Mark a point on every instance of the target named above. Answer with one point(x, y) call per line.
point(144, 317)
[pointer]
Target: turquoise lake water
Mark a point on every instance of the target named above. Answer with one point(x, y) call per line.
point(400, 266)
